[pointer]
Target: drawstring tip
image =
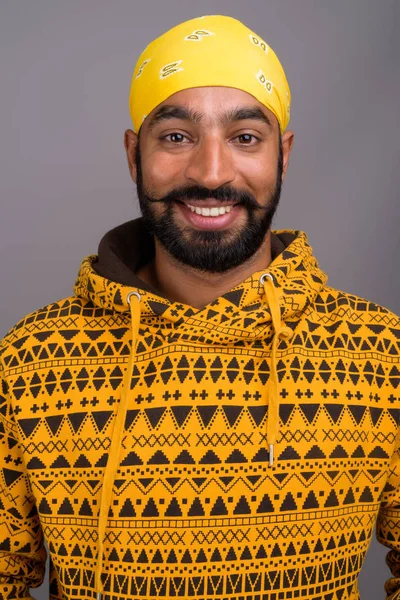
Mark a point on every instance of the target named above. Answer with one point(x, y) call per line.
point(98, 597)
point(271, 455)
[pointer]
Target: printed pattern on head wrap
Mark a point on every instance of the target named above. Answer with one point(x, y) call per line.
point(213, 50)
point(197, 35)
point(170, 69)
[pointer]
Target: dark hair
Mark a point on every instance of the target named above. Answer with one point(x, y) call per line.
point(137, 145)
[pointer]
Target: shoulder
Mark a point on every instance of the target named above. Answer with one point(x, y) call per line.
point(331, 300)
point(30, 333)
point(357, 317)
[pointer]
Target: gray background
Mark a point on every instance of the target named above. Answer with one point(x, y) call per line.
point(64, 84)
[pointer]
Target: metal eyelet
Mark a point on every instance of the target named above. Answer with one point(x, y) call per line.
point(265, 276)
point(129, 296)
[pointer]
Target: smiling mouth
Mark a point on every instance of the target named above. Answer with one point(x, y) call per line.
point(210, 211)
point(209, 207)
point(210, 214)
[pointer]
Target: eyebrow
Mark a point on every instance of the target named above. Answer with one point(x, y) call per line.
point(169, 111)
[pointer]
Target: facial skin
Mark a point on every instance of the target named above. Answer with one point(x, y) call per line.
point(212, 147)
point(212, 247)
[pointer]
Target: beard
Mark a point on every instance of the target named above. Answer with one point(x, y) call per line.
point(209, 251)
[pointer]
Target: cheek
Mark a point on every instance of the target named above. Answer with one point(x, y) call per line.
point(259, 173)
point(161, 172)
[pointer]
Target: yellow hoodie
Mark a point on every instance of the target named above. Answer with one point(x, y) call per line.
point(242, 451)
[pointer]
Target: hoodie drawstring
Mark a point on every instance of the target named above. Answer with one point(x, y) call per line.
point(281, 332)
point(116, 441)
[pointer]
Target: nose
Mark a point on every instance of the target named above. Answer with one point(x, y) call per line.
point(210, 164)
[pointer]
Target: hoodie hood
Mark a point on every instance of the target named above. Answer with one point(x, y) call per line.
point(106, 279)
point(260, 313)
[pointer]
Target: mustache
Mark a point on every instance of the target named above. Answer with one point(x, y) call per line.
point(222, 194)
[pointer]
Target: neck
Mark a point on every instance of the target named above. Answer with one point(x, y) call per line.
point(180, 283)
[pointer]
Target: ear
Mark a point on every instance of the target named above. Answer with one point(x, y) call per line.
point(130, 143)
point(287, 145)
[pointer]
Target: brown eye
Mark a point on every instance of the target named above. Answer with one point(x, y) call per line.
point(246, 139)
point(174, 137)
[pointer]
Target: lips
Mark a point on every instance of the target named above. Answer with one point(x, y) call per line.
point(210, 222)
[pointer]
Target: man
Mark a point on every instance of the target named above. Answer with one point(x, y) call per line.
point(205, 417)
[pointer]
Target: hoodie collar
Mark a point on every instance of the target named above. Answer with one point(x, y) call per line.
point(128, 247)
point(107, 278)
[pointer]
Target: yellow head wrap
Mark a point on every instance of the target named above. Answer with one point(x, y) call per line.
point(213, 50)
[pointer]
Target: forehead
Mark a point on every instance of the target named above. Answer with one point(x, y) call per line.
point(211, 103)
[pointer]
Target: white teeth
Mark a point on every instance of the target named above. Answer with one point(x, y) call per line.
point(215, 211)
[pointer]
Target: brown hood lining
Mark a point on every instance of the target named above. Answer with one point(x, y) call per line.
point(128, 247)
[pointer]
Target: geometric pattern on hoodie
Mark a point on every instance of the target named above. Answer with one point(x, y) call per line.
point(197, 511)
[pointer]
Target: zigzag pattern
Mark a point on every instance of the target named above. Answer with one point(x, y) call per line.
point(197, 512)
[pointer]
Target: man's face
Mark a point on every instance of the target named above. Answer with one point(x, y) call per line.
point(208, 170)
